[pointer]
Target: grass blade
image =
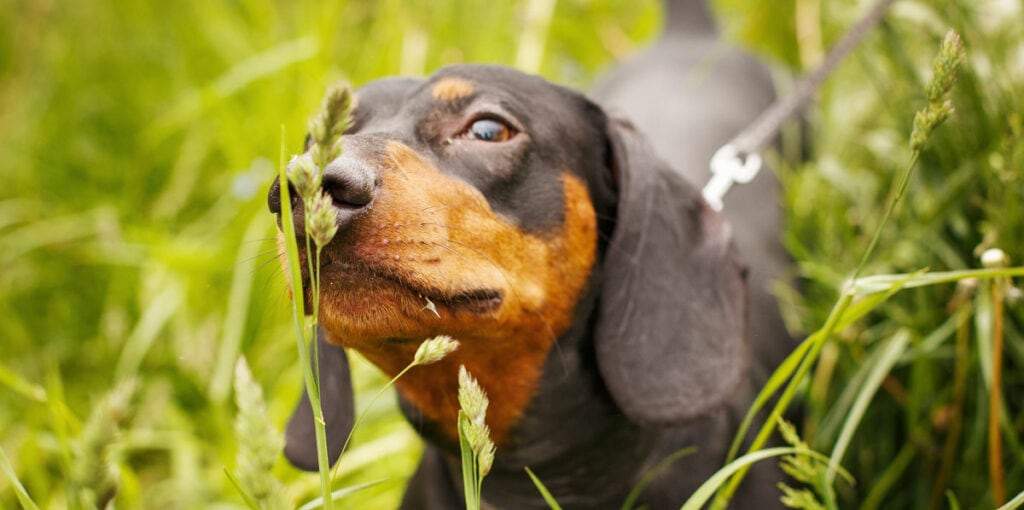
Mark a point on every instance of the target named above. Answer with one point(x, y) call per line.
point(880, 283)
point(1014, 503)
point(19, 489)
point(889, 478)
point(341, 493)
point(891, 353)
point(851, 314)
point(544, 492)
point(777, 379)
point(651, 474)
point(954, 504)
point(249, 502)
point(703, 493)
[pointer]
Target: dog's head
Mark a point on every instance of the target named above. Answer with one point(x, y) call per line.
point(494, 207)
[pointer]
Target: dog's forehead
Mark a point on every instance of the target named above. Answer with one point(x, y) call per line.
point(463, 80)
point(455, 87)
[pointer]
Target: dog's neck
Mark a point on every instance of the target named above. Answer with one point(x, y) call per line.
point(572, 434)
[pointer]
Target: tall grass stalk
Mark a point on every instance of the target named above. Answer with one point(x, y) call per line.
point(319, 223)
point(996, 259)
point(946, 67)
point(299, 321)
point(474, 438)
point(429, 352)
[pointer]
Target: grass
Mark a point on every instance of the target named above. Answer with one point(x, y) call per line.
point(138, 140)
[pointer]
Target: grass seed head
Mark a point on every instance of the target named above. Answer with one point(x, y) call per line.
point(304, 176)
point(472, 398)
point(435, 349)
point(258, 443)
point(321, 219)
point(92, 470)
point(803, 499)
point(330, 123)
point(926, 120)
point(486, 457)
point(473, 402)
point(946, 67)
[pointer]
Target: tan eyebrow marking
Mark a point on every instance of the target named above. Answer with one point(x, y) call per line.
point(452, 88)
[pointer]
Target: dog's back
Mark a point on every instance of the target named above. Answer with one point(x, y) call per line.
point(690, 93)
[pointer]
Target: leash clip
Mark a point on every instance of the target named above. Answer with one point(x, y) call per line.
point(727, 168)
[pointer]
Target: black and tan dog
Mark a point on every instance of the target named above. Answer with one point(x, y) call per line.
point(598, 300)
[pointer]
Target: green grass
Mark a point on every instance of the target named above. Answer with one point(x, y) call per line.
point(138, 140)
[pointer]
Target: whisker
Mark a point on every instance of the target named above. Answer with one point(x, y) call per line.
point(267, 263)
point(449, 248)
point(434, 208)
point(259, 240)
point(259, 255)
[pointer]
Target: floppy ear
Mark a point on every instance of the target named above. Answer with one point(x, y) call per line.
point(670, 339)
point(336, 400)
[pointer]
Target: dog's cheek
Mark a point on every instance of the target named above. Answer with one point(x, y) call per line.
point(572, 252)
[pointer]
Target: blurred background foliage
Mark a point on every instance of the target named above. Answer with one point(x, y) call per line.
point(137, 140)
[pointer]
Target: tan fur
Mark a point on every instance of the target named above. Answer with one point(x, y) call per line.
point(438, 236)
point(448, 89)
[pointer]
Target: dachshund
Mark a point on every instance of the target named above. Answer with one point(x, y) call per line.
point(599, 301)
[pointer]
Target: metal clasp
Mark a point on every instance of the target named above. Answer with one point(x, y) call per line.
point(727, 168)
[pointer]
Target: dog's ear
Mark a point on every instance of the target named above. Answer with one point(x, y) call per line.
point(337, 402)
point(670, 339)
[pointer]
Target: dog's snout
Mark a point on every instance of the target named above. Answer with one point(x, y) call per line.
point(350, 182)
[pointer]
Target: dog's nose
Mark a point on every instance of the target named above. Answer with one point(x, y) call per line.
point(350, 182)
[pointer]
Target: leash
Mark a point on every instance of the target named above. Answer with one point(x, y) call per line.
point(739, 161)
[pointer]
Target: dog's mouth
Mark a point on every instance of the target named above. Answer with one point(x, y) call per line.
point(359, 277)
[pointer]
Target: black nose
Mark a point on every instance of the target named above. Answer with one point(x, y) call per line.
point(349, 181)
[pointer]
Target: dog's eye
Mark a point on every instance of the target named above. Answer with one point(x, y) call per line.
point(488, 130)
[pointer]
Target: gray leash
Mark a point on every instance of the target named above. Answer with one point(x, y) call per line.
point(739, 161)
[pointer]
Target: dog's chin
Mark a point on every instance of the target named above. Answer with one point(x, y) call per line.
point(361, 303)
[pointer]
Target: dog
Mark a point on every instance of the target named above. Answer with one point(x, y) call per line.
point(599, 301)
